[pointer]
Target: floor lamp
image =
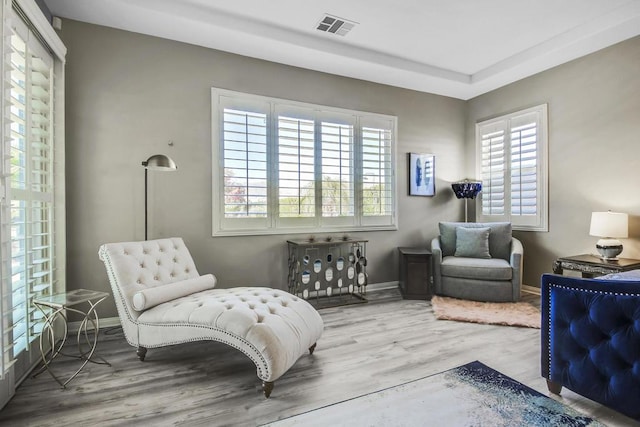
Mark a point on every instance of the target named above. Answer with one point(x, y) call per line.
point(158, 162)
point(466, 190)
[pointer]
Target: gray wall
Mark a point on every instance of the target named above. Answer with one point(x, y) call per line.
point(128, 95)
point(594, 148)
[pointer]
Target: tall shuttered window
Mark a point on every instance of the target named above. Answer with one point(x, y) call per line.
point(32, 167)
point(32, 239)
point(512, 155)
point(286, 167)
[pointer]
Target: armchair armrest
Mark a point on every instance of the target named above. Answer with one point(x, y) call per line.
point(515, 259)
point(515, 255)
point(436, 257)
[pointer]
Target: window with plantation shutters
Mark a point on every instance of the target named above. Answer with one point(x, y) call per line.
point(317, 168)
point(32, 238)
point(512, 160)
point(32, 230)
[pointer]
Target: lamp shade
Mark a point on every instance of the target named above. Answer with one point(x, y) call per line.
point(466, 189)
point(609, 224)
point(160, 162)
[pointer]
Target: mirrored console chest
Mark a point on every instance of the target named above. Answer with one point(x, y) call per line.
point(328, 272)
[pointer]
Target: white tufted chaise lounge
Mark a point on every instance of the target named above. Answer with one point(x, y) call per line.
point(162, 300)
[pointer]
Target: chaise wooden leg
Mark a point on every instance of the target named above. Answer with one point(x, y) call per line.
point(313, 347)
point(141, 352)
point(554, 387)
point(267, 387)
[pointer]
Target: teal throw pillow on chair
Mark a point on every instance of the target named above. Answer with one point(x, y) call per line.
point(472, 242)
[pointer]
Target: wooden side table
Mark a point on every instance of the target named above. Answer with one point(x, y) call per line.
point(592, 266)
point(415, 273)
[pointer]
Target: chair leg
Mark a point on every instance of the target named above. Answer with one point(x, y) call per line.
point(141, 352)
point(554, 387)
point(267, 387)
point(313, 347)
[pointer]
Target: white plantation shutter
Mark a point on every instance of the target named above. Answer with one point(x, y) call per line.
point(245, 164)
point(296, 165)
point(285, 166)
point(32, 231)
point(337, 169)
point(377, 188)
point(524, 165)
point(513, 166)
point(243, 167)
point(493, 165)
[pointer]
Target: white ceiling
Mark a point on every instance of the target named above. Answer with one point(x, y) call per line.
point(458, 48)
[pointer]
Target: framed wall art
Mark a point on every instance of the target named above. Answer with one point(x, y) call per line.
point(422, 174)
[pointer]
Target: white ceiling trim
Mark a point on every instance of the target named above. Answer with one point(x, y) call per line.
point(224, 31)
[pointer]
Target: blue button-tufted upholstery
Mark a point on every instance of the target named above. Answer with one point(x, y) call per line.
point(272, 327)
point(591, 339)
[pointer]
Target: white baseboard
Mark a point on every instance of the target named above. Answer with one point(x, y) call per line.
point(530, 289)
point(382, 285)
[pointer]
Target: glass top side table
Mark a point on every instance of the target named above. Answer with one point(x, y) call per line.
point(55, 307)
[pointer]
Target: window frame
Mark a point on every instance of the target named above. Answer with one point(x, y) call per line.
point(273, 223)
point(539, 221)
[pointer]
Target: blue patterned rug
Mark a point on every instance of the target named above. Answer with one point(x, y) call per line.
point(469, 395)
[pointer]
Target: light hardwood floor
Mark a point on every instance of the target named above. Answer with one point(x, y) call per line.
point(364, 348)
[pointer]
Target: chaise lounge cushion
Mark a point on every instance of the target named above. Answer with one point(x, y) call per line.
point(280, 325)
point(153, 296)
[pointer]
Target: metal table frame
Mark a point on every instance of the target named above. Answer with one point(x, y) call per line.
point(56, 307)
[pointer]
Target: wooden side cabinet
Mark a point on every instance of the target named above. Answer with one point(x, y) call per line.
point(415, 273)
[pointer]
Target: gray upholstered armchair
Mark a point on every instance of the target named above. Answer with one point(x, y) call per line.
point(477, 261)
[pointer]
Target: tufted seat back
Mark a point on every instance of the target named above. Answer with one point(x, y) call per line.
point(135, 266)
point(591, 339)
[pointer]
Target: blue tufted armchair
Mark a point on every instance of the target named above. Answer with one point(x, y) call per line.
point(591, 338)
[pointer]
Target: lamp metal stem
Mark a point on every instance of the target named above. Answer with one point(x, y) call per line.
point(145, 203)
point(466, 218)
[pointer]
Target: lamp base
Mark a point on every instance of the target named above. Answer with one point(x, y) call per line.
point(609, 249)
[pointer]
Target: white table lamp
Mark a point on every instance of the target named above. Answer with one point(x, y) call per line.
point(610, 226)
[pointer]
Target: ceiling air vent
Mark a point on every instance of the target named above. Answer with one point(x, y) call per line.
point(335, 25)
